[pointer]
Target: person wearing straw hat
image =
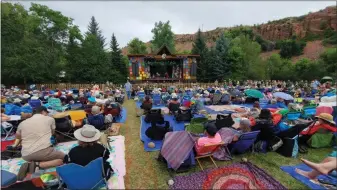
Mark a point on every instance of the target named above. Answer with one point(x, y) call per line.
point(325, 121)
point(88, 149)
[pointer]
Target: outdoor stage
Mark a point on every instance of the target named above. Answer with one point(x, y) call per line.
point(162, 66)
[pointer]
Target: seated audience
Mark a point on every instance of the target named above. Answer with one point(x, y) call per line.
point(244, 127)
point(211, 137)
point(146, 105)
point(264, 124)
point(88, 149)
point(34, 134)
point(174, 104)
point(96, 118)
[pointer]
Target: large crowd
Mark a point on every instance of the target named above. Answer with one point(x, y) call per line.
point(263, 106)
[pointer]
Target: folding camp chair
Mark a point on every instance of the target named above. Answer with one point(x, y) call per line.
point(292, 117)
point(156, 99)
point(141, 96)
point(64, 127)
point(207, 152)
point(35, 103)
point(245, 142)
point(308, 113)
point(91, 176)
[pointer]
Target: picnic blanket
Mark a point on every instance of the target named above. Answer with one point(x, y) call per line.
point(306, 181)
point(122, 118)
point(138, 104)
point(116, 160)
point(244, 175)
point(176, 126)
point(176, 147)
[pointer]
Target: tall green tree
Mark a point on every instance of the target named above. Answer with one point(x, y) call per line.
point(162, 34)
point(136, 46)
point(222, 47)
point(73, 55)
point(199, 48)
point(93, 28)
point(116, 61)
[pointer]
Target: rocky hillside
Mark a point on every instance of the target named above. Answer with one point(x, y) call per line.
point(310, 24)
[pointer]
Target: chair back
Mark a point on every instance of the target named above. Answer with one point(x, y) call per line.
point(34, 103)
point(156, 99)
point(77, 106)
point(309, 111)
point(245, 142)
point(209, 149)
point(292, 116)
point(141, 96)
point(77, 115)
point(63, 124)
point(75, 176)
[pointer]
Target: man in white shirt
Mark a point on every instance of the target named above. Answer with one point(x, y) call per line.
point(35, 134)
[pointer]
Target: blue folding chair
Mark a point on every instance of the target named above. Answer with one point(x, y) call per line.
point(91, 176)
point(141, 96)
point(35, 103)
point(293, 116)
point(156, 99)
point(245, 142)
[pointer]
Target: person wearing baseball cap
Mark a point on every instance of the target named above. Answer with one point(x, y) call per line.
point(88, 149)
point(211, 137)
point(34, 134)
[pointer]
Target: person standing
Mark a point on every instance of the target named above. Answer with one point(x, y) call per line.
point(128, 89)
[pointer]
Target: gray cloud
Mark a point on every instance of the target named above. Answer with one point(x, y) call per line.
point(136, 19)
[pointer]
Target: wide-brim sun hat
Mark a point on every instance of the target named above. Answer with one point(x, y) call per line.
point(87, 133)
point(17, 100)
point(326, 117)
point(26, 96)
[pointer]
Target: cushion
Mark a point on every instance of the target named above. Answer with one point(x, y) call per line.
point(7, 178)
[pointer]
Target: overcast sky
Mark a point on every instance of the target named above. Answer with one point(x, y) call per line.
point(136, 19)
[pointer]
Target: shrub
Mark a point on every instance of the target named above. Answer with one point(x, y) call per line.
point(291, 48)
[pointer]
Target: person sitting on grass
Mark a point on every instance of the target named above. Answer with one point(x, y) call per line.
point(174, 104)
point(325, 167)
point(211, 137)
point(146, 105)
point(34, 134)
point(88, 149)
point(96, 119)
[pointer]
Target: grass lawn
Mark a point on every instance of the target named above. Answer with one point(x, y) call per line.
point(144, 172)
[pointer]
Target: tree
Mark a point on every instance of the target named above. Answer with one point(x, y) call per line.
point(221, 47)
point(116, 62)
point(74, 57)
point(200, 48)
point(289, 48)
point(162, 35)
point(136, 46)
point(328, 61)
point(33, 42)
point(93, 29)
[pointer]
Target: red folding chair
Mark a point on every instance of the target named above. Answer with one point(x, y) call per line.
point(207, 152)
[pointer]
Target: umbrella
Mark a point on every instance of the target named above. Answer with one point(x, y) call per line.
point(326, 78)
point(254, 93)
point(283, 95)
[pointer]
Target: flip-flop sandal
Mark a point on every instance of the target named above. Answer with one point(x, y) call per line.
point(23, 171)
point(327, 182)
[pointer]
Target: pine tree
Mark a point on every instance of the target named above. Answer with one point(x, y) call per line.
point(222, 47)
point(93, 29)
point(200, 48)
point(116, 61)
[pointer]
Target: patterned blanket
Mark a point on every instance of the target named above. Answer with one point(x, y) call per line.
point(116, 160)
